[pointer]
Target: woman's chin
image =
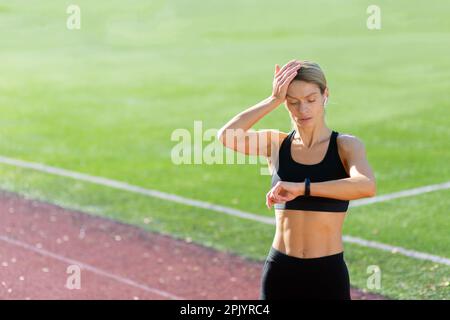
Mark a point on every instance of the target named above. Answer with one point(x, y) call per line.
point(303, 123)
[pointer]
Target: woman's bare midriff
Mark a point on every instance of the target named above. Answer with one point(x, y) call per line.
point(308, 234)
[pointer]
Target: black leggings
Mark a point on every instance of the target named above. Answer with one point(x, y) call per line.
point(289, 277)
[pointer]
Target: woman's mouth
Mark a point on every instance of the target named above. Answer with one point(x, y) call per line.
point(305, 119)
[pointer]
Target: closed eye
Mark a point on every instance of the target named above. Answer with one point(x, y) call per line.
point(310, 101)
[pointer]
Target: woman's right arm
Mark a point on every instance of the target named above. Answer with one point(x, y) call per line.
point(236, 133)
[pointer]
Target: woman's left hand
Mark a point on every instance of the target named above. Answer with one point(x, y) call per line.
point(284, 191)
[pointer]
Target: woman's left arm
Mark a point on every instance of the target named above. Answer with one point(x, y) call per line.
point(361, 183)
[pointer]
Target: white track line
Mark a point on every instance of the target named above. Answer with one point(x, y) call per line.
point(89, 268)
point(401, 194)
point(234, 212)
point(394, 249)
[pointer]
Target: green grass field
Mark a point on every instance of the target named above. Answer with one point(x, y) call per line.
point(105, 99)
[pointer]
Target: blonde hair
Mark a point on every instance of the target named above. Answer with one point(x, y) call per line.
point(311, 72)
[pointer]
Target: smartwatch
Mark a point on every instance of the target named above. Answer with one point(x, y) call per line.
point(307, 187)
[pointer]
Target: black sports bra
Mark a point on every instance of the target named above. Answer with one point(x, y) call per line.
point(330, 168)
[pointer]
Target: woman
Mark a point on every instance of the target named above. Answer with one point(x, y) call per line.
point(315, 172)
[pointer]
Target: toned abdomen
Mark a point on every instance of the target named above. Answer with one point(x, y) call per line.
point(308, 234)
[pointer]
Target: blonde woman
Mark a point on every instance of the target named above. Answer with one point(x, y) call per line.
point(316, 171)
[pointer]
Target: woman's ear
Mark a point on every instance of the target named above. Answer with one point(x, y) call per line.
point(325, 96)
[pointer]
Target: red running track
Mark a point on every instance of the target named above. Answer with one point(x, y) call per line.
point(39, 241)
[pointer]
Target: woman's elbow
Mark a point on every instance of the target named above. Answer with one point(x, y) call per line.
point(371, 188)
point(220, 136)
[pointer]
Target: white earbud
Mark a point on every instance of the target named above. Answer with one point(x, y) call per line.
point(326, 100)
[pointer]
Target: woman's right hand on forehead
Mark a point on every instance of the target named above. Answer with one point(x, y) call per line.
point(282, 78)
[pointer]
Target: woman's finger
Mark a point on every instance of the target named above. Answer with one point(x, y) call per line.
point(287, 80)
point(282, 198)
point(288, 69)
point(277, 69)
point(294, 68)
point(268, 201)
point(286, 66)
point(284, 193)
point(272, 197)
point(275, 196)
point(279, 199)
point(275, 189)
point(288, 74)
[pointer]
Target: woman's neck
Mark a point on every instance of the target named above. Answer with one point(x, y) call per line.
point(311, 136)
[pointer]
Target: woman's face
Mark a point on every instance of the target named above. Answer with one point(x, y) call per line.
point(305, 103)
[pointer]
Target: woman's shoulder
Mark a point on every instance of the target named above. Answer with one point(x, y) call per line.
point(277, 137)
point(348, 143)
point(347, 140)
